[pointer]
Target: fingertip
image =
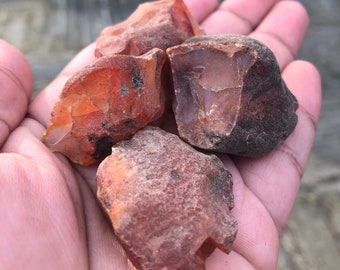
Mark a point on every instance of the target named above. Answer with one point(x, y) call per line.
point(299, 19)
point(251, 12)
point(50, 95)
point(81, 59)
point(288, 22)
point(15, 62)
point(16, 86)
point(304, 81)
point(202, 8)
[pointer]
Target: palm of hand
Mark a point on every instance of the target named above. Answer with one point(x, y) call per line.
point(51, 218)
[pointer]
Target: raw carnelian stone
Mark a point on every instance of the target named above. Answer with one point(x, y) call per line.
point(168, 203)
point(106, 102)
point(230, 96)
point(157, 24)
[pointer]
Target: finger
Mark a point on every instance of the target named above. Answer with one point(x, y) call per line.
point(51, 218)
point(237, 16)
point(219, 260)
point(275, 178)
point(283, 30)
point(16, 85)
point(41, 107)
point(200, 9)
point(256, 236)
point(303, 79)
point(105, 252)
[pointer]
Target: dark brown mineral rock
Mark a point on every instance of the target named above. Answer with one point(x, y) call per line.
point(169, 204)
point(106, 102)
point(230, 96)
point(156, 24)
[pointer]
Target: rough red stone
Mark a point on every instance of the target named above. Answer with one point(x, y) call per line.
point(230, 96)
point(106, 102)
point(169, 204)
point(156, 24)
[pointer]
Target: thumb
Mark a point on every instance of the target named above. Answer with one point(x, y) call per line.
point(16, 85)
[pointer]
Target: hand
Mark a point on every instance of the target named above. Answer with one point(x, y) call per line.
point(49, 214)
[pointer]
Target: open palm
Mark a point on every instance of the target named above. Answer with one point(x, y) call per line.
point(50, 218)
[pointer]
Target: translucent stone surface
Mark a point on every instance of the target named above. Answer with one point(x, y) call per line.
point(229, 95)
point(106, 102)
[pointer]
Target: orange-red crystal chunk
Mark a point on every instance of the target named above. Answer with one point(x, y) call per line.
point(117, 95)
point(106, 102)
point(157, 24)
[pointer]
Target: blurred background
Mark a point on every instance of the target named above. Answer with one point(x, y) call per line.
point(51, 32)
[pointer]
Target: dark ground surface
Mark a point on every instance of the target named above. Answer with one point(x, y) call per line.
point(50, 32)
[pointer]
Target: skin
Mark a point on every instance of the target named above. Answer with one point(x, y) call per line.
point(50, 218)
